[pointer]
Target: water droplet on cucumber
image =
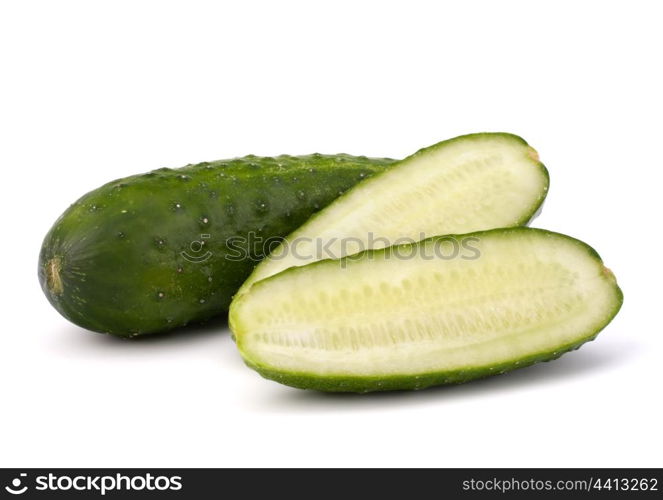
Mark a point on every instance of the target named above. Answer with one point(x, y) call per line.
point(262, 206)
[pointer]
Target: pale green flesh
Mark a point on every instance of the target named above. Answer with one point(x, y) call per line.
point(471, 183)
point(529, 292)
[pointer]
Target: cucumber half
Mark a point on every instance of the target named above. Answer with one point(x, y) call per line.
point(445, 310)
point(469, 183)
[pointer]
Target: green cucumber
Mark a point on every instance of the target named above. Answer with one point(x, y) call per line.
point(445, 310)
point(469, 183)
point(155, 251)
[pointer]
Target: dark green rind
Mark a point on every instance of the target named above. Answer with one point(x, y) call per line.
point(120, 246)
point(363, 384)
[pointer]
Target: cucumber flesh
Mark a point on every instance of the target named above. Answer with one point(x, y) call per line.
point(470, 183)
point(380, 321)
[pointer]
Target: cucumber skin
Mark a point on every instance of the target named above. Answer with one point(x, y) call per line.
point(117, 251)
point(364, 384)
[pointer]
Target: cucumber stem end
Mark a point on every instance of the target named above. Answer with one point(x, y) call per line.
point(533, 153)
point(53, 278)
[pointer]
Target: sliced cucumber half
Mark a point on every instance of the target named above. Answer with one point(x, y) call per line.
point(469, 183)
point(422, 314)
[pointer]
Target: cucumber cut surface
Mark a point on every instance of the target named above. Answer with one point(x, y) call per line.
point(469, 183)
point(416, 315)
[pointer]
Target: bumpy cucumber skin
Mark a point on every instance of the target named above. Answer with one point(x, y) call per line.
point(113, 262)
point(527, 216)
point(364, 384)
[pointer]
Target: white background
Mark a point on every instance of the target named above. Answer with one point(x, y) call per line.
point(92, 91)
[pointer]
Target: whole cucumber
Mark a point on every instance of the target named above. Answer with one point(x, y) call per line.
point(152, 252)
